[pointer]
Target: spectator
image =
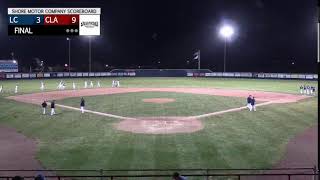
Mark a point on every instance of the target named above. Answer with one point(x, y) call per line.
point(176, 176)
point(40, 177)
point(17, 178)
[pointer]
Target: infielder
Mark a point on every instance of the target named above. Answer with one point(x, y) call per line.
point(1, 88)
point(44, 106)
point(304, 89)
point(82, 104)
point(85, 84)
point(249, 99)
point(91, 84)
point(42, 86)
point(98, 84)
point(73, 85)
point(52, 107)
point(16, 89)
point(253, 104)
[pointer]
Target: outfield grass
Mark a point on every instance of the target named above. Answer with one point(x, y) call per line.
point(131, 104)
point(287, 86)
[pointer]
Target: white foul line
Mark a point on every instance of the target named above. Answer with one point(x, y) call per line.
point(225, 111)
point(95, 112)
point(191, 117)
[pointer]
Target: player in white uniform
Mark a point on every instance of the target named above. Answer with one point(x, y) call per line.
point(91, 84)
point(1, 88)
point(73, 85)
point(59, 85)
point(16, 89)
point(98, 84)
point(85, 84)
point(41, 85)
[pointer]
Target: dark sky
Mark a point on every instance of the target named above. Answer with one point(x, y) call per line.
point(270, 34)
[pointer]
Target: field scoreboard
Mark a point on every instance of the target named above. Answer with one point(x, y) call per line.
point(54, 21)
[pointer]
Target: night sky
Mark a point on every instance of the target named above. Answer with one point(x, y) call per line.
point(269, 36)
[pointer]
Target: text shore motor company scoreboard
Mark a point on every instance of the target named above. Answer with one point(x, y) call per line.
point(54, 21)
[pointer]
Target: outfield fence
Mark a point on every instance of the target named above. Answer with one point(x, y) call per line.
point(310, 173)
point(159, 73)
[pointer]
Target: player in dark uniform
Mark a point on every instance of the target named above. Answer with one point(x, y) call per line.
point(253, 104)
point(52, 107)
point(249, 98)
point(82, 104)
point(304, 89)
point(44, 106)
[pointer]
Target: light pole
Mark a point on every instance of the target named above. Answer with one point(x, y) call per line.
point(69, 43)
point(89, 53)
point(226, 32)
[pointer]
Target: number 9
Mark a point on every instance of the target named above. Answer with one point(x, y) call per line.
point(74, 19)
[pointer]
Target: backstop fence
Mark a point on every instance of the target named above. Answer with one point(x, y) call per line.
point(309, 173)
point(159, 73)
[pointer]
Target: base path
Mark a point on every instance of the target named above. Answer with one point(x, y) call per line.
point(17, 152)
point(37, 98)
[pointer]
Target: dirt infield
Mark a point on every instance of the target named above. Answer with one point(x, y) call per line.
point(172, 126)
point(159, 100)
point(160, 125)
point(37, 98)
point(17, 151)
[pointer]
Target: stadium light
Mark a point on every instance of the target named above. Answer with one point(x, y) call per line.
point(69, 44)
point(226, 32)
point(14, 61)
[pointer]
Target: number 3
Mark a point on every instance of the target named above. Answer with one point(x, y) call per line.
point(74, 19)
point(38, 20)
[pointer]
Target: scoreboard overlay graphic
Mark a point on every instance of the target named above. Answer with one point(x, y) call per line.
point(54, 21)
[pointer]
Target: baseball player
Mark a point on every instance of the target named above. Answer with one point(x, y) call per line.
point(44, 106)
point(118, 83)
point(301, 89)
point(1, 88)
point(85, 84)
point(63, 86)
point(41, 85)
point(249, 99)
point(98, 84)
point(52, 107)
point(59, 85)
point(73, 85)
point(16, 89)
point(82, 104)
point(253, 104)
point(304, 89)
point(91, 84)
point(113, 83)
point(308, 89)
point(313, 90)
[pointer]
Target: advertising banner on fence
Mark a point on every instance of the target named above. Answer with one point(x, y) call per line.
point(33, 75)
point(18, 75)
point(46, 74)
point(40, 75)
point(25, 75)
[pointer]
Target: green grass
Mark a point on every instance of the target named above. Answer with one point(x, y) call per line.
point(71, 140)
point(287, 86)
point(131, 104)
point(233, 140)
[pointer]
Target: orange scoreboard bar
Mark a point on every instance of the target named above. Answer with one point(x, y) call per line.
point(54, 21)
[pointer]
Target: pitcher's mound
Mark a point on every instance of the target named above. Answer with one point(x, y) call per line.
point(160, 125)
point(159, 100)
